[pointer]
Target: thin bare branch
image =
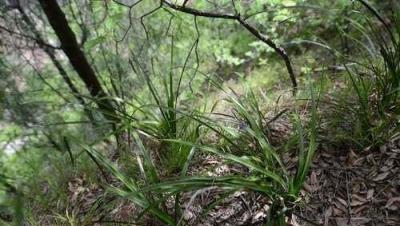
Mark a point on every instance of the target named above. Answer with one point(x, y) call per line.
point(254, 31)
point(40, 42)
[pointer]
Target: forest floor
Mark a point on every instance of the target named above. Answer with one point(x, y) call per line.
point(348, 188)
point(345, 187)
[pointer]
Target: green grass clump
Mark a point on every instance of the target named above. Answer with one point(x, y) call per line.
point(365, 112)
point(268, 174)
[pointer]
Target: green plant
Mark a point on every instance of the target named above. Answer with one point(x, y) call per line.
point(132, 187)
point(366, 110)
point(167, 118)
point(267, 172)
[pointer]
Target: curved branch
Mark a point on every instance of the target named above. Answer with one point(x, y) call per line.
point(130, 7)
point(276, 48)
point(279, 50)
point(196, 12)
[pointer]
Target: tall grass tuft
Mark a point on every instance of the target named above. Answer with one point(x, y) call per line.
point(166, 118)
point(268, 174)
point(367, 109)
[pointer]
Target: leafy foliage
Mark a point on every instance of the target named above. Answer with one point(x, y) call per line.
point(187, 81)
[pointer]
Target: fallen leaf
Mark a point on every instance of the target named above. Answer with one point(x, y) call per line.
point(381, 176)
point(337, 212)
point(259, 215)
point(351, 158)
point(389, 204)
point(342, 201)
point(370, 194)
point(359, 209)
point(341, 222)
point(327, 215)
point(356, 197)
point(187, 215)
point(307, 187)
point(314, 182)
point(396, 150)
point(356, 203)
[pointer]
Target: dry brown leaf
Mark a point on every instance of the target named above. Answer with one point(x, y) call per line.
point(308, 188)
point(389, 204)
point(370, 194)
point(187, 215)
point(292, 221)
point(381, 176)
point(389, 162)
point(358, 198)
point(358, 162)
point(357, 203)
point(351, 158)
point(314, 182)
point(341, 222)
point(340, 205)
point(327, 215)
point(359, 209)
point(259, 215)
point(396, 150)
point(337, 212)
point(342, 201)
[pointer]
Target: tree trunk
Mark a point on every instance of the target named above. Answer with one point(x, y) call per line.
point(51, 54)
point(77, 58)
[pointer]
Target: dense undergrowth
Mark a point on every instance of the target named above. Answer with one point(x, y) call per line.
point(184, 89)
